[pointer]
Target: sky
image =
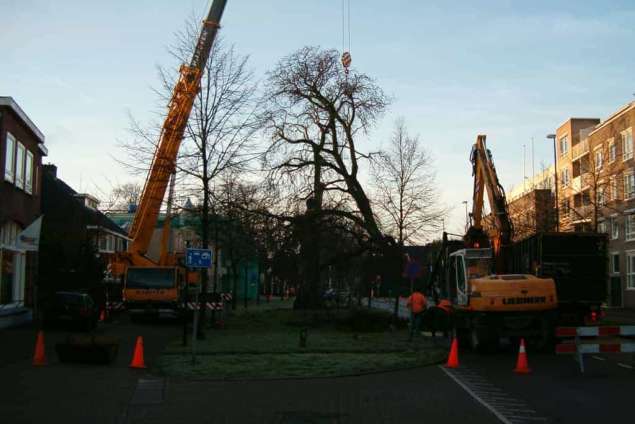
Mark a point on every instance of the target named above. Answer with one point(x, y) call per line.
point(513, 70)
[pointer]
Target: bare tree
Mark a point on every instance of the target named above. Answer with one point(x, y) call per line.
point(121, 197)
point(316, 115)
point(406, 195)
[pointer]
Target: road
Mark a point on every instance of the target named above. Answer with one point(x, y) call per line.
point(483, 390)
point(72, 392)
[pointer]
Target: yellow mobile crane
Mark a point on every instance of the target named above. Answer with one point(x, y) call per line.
point(154, 286)
point(483, 301)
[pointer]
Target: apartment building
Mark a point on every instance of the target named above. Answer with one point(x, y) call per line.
point(596, 171)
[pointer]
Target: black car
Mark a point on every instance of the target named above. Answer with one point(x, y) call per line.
point(74, 308)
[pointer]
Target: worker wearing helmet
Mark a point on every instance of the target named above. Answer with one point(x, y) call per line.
point(417, 305)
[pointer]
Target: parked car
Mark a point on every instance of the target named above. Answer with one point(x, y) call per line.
point(74, 308)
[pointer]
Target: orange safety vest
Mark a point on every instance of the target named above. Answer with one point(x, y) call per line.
point(416, 302)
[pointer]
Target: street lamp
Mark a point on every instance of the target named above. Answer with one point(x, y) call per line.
point(555, 169)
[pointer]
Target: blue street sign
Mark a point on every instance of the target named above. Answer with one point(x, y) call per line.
point(198, 258)
point(413, 270)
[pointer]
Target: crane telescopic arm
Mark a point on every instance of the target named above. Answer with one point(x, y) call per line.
point(485, 178)
point(164, 160)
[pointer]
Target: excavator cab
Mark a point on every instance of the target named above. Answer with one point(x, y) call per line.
point(466, 265)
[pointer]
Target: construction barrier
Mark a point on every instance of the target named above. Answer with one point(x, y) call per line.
point(114, 306)
point(585, 340)
point(212, 306)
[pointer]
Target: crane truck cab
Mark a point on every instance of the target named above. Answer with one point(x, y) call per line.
point(488, 307)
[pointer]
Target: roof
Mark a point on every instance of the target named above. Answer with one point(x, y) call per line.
point(614, 116)
point(94, 217)
point(11, 104)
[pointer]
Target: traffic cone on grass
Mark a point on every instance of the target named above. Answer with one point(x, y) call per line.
point(39, 356)
point(453, 359)
point(137, 357)
point(522, 367)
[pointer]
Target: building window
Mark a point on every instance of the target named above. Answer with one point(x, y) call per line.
point(615, 263)
point(612, 188)
point(9, 161)
point(630, 270)
point(28, 173)
point(566, 178)
point(629, 227)
point(627, 144)
point(9, 233)
point(603, 227)
point(564, 145)
point(601, 196)
point(19, 165)
point(629, 186)
point(598, 159)
point(615, 229)
point(612, 150)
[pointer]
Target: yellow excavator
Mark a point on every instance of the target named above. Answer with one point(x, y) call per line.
point(483, 302)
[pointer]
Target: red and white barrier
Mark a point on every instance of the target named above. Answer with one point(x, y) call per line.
point(212, 306)
point(585, 340)
point(114, 306)
point(623, 330)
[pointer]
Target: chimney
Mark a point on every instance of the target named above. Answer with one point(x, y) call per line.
point(50, 169)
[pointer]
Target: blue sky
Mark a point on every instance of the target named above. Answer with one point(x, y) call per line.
point(510, 69)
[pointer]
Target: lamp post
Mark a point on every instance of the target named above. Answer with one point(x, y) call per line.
point(555, 169)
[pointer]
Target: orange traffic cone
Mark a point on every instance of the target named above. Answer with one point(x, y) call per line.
point(39, 357)
point(453, 359)
point(137, 357)
point(522, 367)
point(102, 316)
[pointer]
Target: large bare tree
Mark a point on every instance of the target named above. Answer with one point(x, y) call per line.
point(317, 116)
point(406, 195)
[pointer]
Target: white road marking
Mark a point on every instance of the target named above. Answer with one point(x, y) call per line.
point(599, 358)
point(507, 409)
point(476, 397)
point(625, 366)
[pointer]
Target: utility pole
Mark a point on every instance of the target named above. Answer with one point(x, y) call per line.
point(555, 171)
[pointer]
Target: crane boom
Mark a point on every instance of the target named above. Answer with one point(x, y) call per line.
point(164, 160)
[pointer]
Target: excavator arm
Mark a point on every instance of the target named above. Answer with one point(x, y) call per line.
point(486, 180)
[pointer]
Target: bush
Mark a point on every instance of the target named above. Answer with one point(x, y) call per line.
point(365, 321)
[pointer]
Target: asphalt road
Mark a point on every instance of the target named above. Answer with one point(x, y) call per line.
point(73, 393)
point(483, 390)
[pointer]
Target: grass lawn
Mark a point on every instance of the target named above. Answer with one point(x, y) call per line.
point(264, 342)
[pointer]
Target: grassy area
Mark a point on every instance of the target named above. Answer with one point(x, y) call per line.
point(264, 342)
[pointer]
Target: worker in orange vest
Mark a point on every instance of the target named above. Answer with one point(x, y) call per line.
point(417, 305)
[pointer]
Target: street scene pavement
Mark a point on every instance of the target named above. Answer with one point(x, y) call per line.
point(484, 388)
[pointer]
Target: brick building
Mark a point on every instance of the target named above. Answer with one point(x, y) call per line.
point(21, 151)
point(596, 189)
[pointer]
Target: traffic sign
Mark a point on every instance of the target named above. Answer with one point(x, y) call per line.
point(413, 269)
point(198, 258)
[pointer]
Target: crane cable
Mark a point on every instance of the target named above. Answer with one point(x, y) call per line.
point(346, 27)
